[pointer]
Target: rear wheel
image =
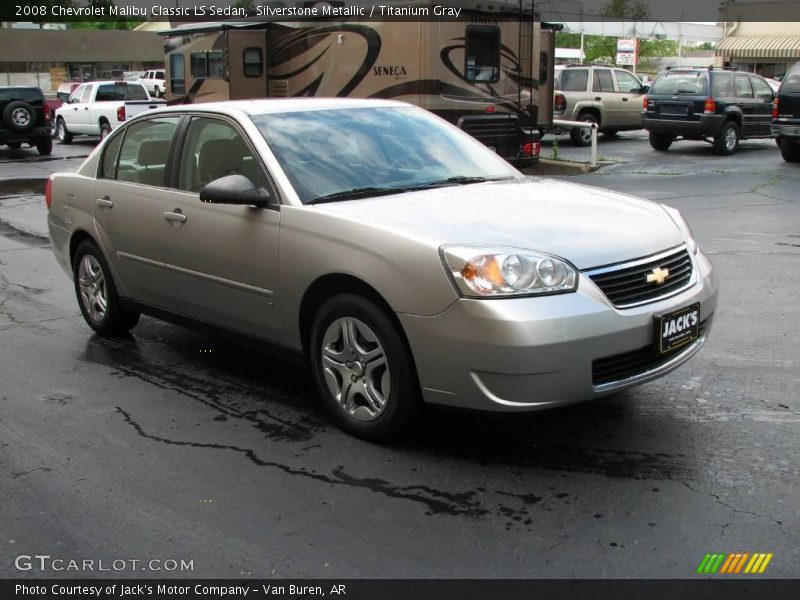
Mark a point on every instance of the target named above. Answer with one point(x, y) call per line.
point(362, 368)
point(727, 140)
point(64, 136)
point(582, 136)
point(105, 129)
point(790, 151)
point(45, 146)
point(660, 141)
point(97, 294)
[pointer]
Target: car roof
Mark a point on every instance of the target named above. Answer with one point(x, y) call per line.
point(280, 105)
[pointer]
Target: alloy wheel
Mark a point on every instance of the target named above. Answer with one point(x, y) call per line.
point(92, 285)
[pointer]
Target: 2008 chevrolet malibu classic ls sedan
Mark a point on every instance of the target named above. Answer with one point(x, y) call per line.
point(400, 257)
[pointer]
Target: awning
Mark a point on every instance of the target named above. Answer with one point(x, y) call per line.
point(760, 46)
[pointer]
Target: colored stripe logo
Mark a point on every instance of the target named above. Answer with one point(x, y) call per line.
point(736, 563)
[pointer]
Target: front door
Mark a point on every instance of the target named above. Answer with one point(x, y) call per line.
point(763, 105)
point(629, 93)
point(223, 258)
point(603, 93)
point(746, 100)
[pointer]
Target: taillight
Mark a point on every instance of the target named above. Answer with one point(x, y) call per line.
point(121, 113)
point(775, 108)
point(47, 115)
point(489, 109)
point(709, 106)
point(48, 192)
point(645, 103)
point(531, 149)
point(560, 102)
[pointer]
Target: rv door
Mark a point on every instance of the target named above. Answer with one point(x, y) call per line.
point(546, 60)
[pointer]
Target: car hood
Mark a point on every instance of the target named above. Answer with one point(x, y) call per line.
point(588, 226)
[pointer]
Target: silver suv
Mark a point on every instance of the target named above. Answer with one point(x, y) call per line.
point(608, 96)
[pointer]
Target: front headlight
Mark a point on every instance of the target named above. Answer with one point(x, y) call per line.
point(683, 226)
point(480, 272)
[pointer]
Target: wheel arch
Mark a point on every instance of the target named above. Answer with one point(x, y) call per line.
point(76, 239)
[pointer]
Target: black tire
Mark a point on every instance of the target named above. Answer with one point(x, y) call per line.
point(114, 321)
point(62, 133)
point(727, 140)
point(581, 136)
point(157, 92)
point(660, 141)
point(398, 375)
point(19, 116)
point(777, 141)
point(14, 145)
point(790, 150)
point(53, 131)
point(45, 146)
point(105, 129)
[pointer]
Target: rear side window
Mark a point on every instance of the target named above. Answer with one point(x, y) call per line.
point(601, 81)
point(741, 85)
point(177, 73)
point(721, 85)
point(110, 92)
point(145, 151)
point(791, 83)
point(159, 75)
point(482, 55)
point(573, 80)
point(680, 83)
point(108, 166)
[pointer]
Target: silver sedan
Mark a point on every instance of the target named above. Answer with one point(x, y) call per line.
point(398, 257)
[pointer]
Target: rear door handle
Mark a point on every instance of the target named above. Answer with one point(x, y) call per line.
point(177, 216)
point(104, 202)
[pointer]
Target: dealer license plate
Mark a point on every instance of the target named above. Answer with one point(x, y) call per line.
point(677, 328)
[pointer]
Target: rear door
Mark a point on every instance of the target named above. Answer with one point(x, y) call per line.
point(604, 92)
point(745, 98)
point(131, 195)
point(763, 105)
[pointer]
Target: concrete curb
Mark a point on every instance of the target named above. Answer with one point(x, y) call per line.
point(28, 185)
point(549, 166)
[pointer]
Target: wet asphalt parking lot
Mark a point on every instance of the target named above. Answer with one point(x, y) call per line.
point(171, 444)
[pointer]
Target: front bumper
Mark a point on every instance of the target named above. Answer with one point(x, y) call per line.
point(532, 353)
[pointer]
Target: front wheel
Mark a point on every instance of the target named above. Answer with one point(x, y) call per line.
point(660, 141)
point(727, 140)
point(790, 150)
point(97, 294)
point(582, 136)
point(362, 368)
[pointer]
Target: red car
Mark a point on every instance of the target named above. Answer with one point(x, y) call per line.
point(62, 95)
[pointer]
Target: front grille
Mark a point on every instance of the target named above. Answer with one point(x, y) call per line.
point(626, 284)
point(629, 364)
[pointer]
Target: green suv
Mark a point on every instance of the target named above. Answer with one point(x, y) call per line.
point(719, 106)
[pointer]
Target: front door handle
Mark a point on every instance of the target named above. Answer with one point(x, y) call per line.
point(175, 216)
point(598, 99)
point(624, 99)
point(104, 202)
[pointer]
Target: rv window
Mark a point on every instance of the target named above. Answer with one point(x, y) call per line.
point(198, 64)
point(177, 75)
point(483, 54)
point(253, 62)
point(216, 64)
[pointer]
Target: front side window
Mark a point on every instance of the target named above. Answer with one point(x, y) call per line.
point(214, 149)
point(177, 74)
point(145, 151)
point(761, 88)
point(330, 152)
point(76, 95)
point(482, 54)
point(627, 83)
point(601, 81)
point(573, 80)
point(86, 96)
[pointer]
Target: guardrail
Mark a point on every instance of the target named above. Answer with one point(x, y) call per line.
point(582, 125)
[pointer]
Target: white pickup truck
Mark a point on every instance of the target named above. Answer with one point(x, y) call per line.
point(98, 107)
point(154, 82)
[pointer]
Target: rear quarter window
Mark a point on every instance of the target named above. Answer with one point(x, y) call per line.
point(573, 80)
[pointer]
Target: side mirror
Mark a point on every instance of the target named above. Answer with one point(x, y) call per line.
point(645, 89)
point(234, 189)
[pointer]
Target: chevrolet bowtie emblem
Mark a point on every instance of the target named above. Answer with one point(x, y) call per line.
point(657, 275)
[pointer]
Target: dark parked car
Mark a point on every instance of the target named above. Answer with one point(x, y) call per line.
point(786, 116)
point(719, 106)
point(24, 119)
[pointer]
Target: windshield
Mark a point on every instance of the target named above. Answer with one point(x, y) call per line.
point(680, 83)
point(339, 154)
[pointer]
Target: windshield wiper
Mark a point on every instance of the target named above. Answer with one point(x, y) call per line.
point(455, 180)
point(361, 192)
